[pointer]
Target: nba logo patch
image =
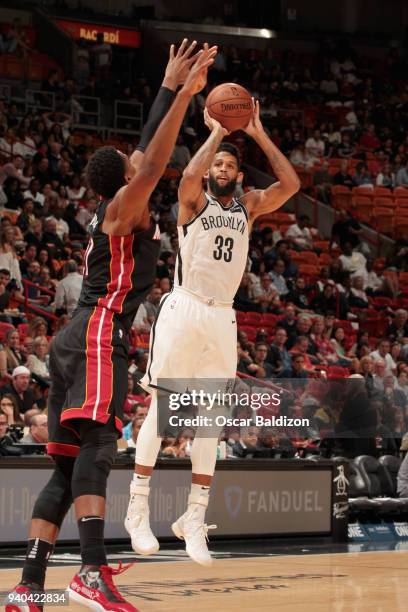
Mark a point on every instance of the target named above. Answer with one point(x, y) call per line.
point(173, 304)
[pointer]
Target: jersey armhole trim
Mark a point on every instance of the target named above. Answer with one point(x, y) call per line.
point(244, 208)
point(200, 212)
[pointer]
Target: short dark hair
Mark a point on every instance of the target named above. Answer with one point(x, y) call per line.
point(5, 272)
point(228, 147)
point(105, 172)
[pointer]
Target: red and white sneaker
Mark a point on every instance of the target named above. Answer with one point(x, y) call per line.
point(93, 588)
point(20, 600)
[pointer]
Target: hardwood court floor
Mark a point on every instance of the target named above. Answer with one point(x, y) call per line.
point(349, 582)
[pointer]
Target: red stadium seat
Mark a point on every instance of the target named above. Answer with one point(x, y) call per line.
point(337, 372)
point(253, 318)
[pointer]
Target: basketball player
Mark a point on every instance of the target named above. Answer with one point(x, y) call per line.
point(88, 360)
point(194, 335)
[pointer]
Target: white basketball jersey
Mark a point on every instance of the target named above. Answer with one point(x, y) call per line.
point(213, 250)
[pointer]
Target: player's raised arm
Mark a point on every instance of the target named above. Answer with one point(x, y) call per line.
point(128, 210)
point(261, 201)
point(175, 74)
point(191, 193)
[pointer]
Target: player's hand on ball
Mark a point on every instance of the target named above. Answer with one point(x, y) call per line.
point(254, 126)
point(179, 64)
point(197, 76)
point(213, 124)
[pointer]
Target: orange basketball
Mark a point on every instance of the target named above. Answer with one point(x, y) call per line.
point(231, 105)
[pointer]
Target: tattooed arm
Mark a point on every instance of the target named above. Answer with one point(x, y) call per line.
point(261, 201)
point(191, 193)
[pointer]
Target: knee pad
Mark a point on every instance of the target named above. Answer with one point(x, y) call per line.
point(94, 462)
point(55, 499)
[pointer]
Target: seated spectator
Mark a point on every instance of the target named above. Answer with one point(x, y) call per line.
point(342, 177)
point(369, 140)
point(386, 178)
point(11, 355)
point(301, 347)
point(358, 297)
point(244, 296)
point(339, 344)
point(278, 279)
point(37, 327)
point(315, 145)
point(346, 229)
point(383, 353)
point(401, 384)
point(8, 406)
point(379, 373)
point(141, 361)
point(323, 180)
point(30, 256)
point(137, 423)
point(12, 195)
point(346, 148)
point(298, 295)
point(366, 370)
point(401, 179)
point(278, 355)
point(38, 433)
point(398, 329)
point(289, 324)
point(8, 257)
point(352, 261)
point(33, 193)
point(326, 301)
point(19, 388)
point(362, 176)
point(5, 439)
point(245, 363)
point(247, 445)
point(151, 304)
point(37, 363)
point(299, 366)
point(321, 346)
point(299, 235)
point(68, 289)
point(266, 295)
point(137, 411)
point(181, 446)
point(302, 158)
point(14, 170)
point(4, 295)
point(264, 369)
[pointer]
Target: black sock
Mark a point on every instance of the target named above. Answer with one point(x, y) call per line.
point(91, 530)
point(35, 564)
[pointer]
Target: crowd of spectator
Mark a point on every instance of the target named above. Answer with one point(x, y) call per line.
point(305, 324)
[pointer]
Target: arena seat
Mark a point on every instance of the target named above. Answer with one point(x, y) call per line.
point(401, 192)
point(359, 500)
point(341, 196)
point(253, 318)
point(390, 466)
point(371, 473)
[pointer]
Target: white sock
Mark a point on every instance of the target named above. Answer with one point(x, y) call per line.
point(199, 492)
point(141, 481)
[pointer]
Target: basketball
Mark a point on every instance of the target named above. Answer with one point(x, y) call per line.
point(231, 105)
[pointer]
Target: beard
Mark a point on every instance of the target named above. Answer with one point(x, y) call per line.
point(218, 190)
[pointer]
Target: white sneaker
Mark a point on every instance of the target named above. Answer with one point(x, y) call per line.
point(137, 521)
point(191, 528)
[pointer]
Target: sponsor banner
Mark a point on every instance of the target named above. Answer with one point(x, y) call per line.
point(400, 530)
point(380, 533)
point(357, 533)
point(242, 501)
point(114, 36)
